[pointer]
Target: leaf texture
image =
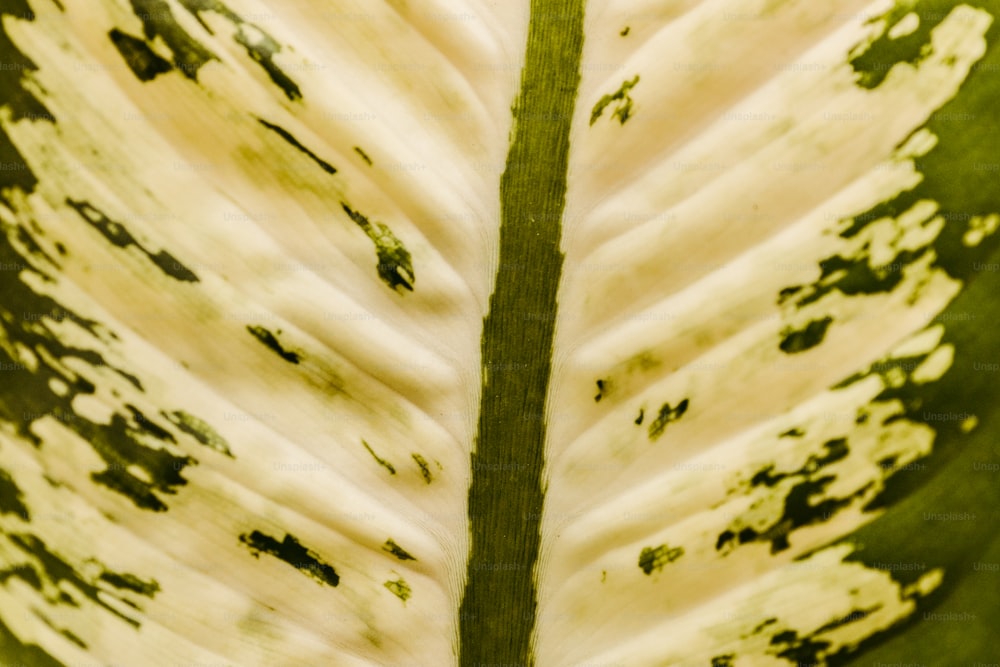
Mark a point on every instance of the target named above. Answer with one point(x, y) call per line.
point(260, 308)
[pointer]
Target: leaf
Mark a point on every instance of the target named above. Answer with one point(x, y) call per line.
point(562, 334)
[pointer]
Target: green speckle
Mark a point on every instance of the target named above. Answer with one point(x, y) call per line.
point(395, 265)
point(603, 387)
point(655, 558)
point(271, 341)
point(399, 552)
point(142, 60)
point(800, 340)
point(295, 143)
point(200, 430)
point(623, 110)
point(667, 415)
point(382, 462)
point(425, 470)
point(399, 588)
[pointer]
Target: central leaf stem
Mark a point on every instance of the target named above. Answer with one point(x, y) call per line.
point(498, 609)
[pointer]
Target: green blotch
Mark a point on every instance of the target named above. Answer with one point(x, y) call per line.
point(603, 387)
point(725, 660)
point(399, 552)
point(654, 558)
point(806, 650)
point(130, 582)
point(400, 589)
point(158, 21)
point(395, 265)
point(73, 638)
point(292, 552)
point(623, 110)
point(50, 568)
point(288, 137)
point(18, 654)
point(26, 395)
point(872, 62)
point(142, 60)
point(19, 101)
point(14, 95)
point(364, 155)
point(382, 462)
point(259, 45)
point(794, 341)
point(425, 470)
point(800, 505)
point(120, 237)
point(11, 499)
point(271, 342)
point(625, 31)
point(853, 616)
point(667, 415)
point(200, 430)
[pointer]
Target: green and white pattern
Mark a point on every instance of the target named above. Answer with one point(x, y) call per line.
point(561, 332)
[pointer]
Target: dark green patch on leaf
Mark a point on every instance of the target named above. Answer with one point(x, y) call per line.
point(602, 388)
point(16, 174)
point(271, 341)
point(18, 100)
point(18, 654)
point(140, 58)
point(382, 462)
point(854, 616)
point(794, 341)
point(292, 552)
point(799, 507)
point(364, 155)
point(287, 136)
point(872, 62)
point(935, 513)
point(11, 500)
point(131, 582)
point(399, 588)
point(73, 638)
point(800, 650)
point(667, 415)
point(27, 393)
point(399, 552)
point(725, 660)
point(654, 558)
point(120, 237)
point(395, 266)
point(425, 470)
point(624, 31)
point(158, 21)
point(51, 574)
point(623, 110)
point(200, 430)
point(259, 45)
point(14, 95)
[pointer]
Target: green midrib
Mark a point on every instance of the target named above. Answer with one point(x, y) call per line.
point(497, 614)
